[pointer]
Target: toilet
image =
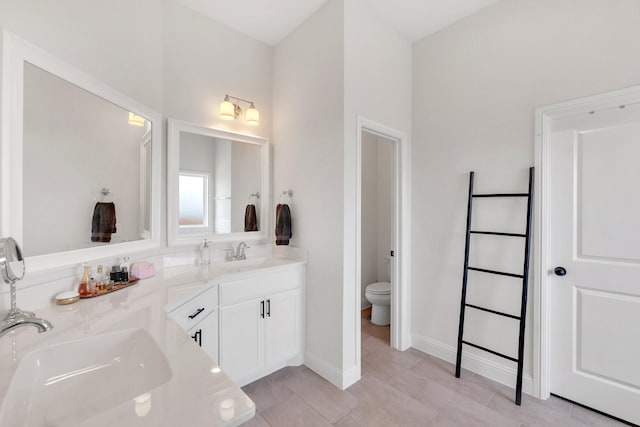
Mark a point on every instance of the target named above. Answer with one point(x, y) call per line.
point(379, 295)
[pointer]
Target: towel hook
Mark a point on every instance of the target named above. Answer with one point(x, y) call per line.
point(106, 195)
point(288, 193)
point(256, 195)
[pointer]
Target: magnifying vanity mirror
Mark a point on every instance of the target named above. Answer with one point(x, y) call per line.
point(218, 185)
point(11, 261)
point(81, 162)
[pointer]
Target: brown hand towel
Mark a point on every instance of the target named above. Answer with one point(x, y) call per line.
point(283, 224)
point(250, 218)
point(103, 223)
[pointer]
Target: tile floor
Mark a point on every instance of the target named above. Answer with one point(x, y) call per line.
point(403, 389)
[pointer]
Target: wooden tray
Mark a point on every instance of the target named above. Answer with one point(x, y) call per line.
point(116, 287)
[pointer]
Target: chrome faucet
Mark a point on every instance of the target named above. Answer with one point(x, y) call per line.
point(17, 318)
point(237, 254)
point(240, 251)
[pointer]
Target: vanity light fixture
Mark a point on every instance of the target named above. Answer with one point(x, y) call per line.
point(135, 120)
point(231, 110)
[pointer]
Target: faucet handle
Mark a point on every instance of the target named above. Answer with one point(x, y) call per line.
point(228, 254)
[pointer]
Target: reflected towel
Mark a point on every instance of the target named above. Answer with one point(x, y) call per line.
point(283, 224)
point(104, 222)
point(250, 218)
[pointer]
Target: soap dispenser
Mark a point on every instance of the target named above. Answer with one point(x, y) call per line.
point(205, 255)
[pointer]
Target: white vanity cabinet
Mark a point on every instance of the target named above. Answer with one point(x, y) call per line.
point(205, 333)
point(199, 317)
point(261, 324)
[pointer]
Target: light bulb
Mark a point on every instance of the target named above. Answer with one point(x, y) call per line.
point(252, 115)
point(227, 109)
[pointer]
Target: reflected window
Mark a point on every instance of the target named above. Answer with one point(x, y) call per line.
point(193, 188)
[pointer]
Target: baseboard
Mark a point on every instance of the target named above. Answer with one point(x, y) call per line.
point(350, 377)
point(473, 362)
point(335, 376)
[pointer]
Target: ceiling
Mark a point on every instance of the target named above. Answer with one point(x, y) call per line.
point(271, 21)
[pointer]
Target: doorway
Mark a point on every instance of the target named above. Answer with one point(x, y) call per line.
point(588, 297)
point(378, 238)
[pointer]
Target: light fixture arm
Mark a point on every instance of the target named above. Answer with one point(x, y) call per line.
point(227, 97)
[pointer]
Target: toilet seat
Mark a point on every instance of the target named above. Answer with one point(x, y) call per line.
point(379, 288)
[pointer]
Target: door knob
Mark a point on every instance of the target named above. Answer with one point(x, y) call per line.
point(560, 271)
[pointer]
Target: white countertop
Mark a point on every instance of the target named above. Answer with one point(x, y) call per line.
point(196, 389)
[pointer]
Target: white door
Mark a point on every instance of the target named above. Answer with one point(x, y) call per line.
point(283, 323)
point(242, 339)
point(594, 227)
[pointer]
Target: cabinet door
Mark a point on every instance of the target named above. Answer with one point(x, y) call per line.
point(205, 333)
point(283, 326)
point(242, 339)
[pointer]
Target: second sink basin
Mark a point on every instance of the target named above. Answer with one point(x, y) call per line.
point(67, 383)
point(250, 264)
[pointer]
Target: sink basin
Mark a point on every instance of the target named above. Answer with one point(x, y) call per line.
point(66, 383)
point(250, 264)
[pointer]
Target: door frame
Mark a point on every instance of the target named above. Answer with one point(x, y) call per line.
point(544, 116)
point(401, 231)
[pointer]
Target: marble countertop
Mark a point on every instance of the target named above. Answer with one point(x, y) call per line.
point(198, 392)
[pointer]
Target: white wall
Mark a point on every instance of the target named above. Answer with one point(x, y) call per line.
point(369, 216)
point(376, 211)
point(348, 62)
point(156, 52)
point(377, 82)
point(203, 61)
point(117, 42)
point(475, 86)
point(70, 154)
point(384, 207)
point(308, 89)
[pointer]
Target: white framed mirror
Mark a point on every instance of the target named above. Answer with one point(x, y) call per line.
point(218, 185)
point(81, 162)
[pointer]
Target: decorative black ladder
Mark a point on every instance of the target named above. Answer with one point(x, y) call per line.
point(524, 276)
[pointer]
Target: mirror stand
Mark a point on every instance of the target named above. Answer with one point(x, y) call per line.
point(10, 253)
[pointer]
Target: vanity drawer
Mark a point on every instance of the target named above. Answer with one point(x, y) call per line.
point(260, 286)
point(196, 309)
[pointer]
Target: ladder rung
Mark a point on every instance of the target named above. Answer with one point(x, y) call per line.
point(497, 233)
point(490, 351)
point(502, 195)
point(493, 311)
point(501, 273)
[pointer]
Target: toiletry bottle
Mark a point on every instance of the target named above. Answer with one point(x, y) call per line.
point(83, 289)
point(124, 275)
point(91, 286)
point(100, 284)
point(125, 263)
point(115, 273)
